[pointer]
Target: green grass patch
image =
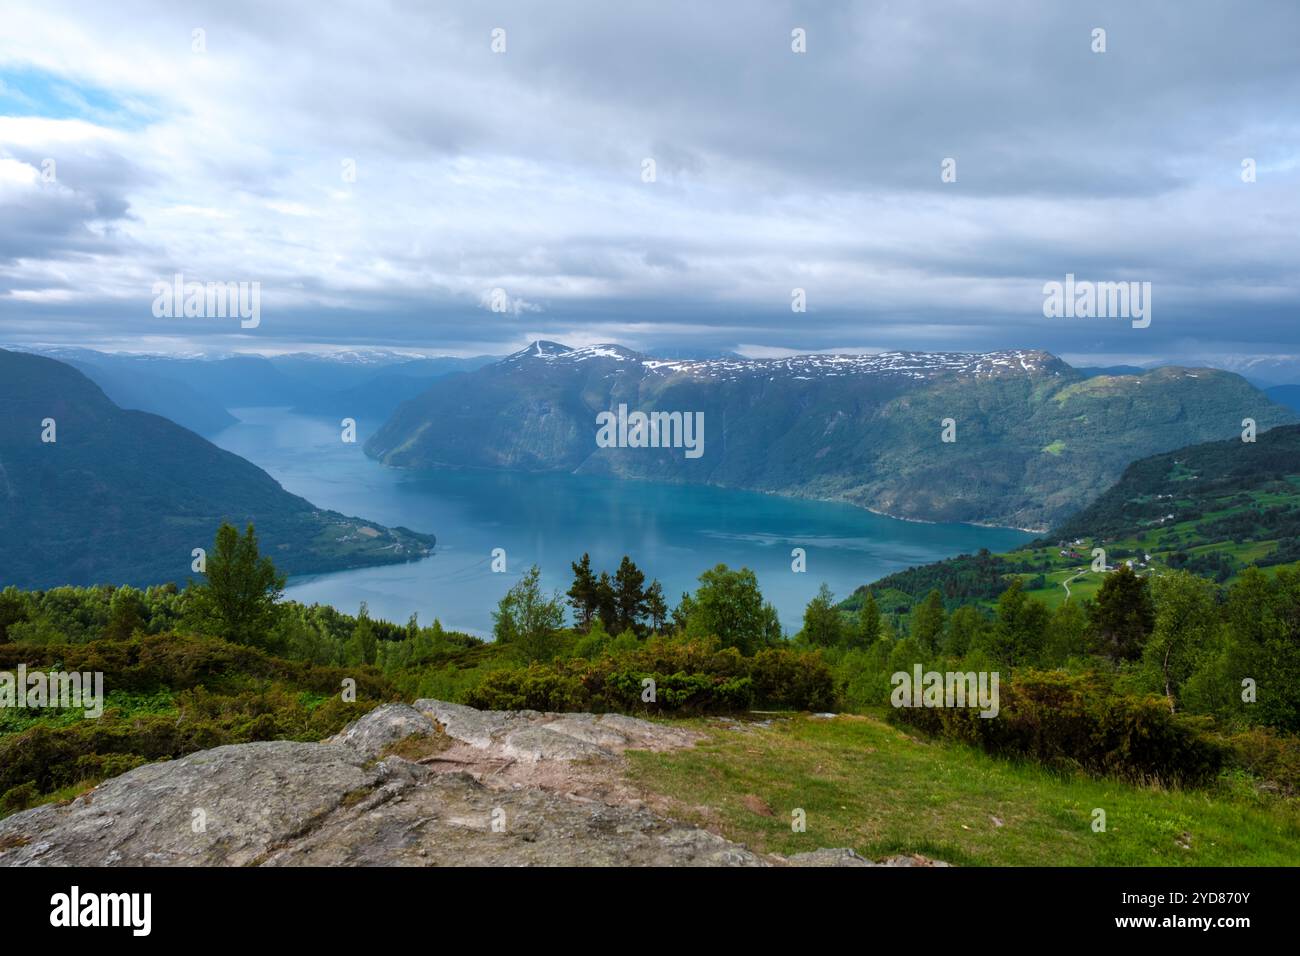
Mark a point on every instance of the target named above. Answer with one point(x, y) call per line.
point(868, 785)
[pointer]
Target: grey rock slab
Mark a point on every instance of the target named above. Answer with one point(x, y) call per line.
point(478, 728)
point(452, 820)
point(250, 797)
point(542, 743)
point(530, 735)
point(384, 726)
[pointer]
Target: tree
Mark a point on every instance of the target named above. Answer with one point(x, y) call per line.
point(1264, 624)
point(1185, 619)
point(629, 595)
point(729, 606)
point(822, 625)
point(13, 610)
point(126, 614)
point(964, 631)
point(1019, 628)
point(606, 603)
point(1122, 617)
point(422, 646)
point(655, 608)
point(363, 646)
point(928, 622)
point(237, 601)
point(682, 613)
point(529, 621)
point(1067, 634)
point(583, 594)
point(867, 626)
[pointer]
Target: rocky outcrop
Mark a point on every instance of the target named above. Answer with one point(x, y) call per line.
point(532, 736)
point(434, 784)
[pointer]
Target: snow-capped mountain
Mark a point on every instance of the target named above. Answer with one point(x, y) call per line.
point(915, 365)
point(1014, 437)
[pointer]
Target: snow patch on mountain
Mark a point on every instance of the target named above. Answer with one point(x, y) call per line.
point(915, 365)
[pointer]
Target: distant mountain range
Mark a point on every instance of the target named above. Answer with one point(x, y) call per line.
point(199, 392)
point(1035, 439)
point(123, 497)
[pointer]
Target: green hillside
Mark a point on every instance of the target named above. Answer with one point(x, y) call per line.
point(123, 497)
point(1213, 509)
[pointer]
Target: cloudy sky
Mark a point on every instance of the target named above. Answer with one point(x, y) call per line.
point(223, 154)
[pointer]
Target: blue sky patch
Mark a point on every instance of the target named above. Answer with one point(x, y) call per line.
point(44, 94)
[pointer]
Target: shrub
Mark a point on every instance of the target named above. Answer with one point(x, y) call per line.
point(1267, 755)
point(1078, 721)
point(52, 756)
point(176, 661)
point(693, 676)
point(790, 679)
point(536, 687)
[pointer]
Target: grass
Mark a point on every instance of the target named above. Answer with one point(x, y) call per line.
point(865, 784)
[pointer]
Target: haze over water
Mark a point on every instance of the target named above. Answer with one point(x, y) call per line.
point(673, 532)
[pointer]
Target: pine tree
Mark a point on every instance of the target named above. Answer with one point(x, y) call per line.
point(629, 595)
point(606, 603)
point(928, 622)
point(583, 596)
point(655, 608)
point(868, 629)
point(1123, 616)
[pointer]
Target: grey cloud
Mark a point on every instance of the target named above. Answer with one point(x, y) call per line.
point(819, 170)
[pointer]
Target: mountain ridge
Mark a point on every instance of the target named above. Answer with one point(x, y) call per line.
point(123, 496)
point(1034, 438)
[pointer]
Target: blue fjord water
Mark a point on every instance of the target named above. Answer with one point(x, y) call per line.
point(673, 532)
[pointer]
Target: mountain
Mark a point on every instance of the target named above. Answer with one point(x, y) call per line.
point(124, 496)
point(1092, 371)
point(376, 396)
point(146, 391)
point(1211, 508)
point(1035, 438)
point(198, 391)
point(1216, 492)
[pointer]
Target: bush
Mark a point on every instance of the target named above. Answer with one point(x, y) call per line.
point(790, 679)
point(19, 798)
point(536, 687)
point(1268, 756)
point(222, 693)
point(1078, 721)
point(177, 661)
point(690, 677)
